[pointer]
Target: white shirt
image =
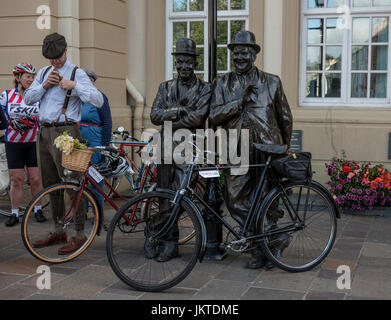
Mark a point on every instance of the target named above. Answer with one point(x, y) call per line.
point(53, 98)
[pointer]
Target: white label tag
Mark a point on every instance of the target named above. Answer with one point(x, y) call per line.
point(209, 174)
point(130, 170)
point(95, 174)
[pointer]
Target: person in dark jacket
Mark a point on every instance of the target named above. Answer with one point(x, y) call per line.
point(184, 102)
point(3, 120)
point(249, 98)
point(96, 127)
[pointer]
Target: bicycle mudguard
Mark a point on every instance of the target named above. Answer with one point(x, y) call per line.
point(276, 189)
point(200, 219)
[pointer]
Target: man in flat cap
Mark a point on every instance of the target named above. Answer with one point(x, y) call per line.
point(58, 114)
point(249, 98)
point(185, 103)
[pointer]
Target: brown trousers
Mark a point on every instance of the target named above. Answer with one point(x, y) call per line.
point(52, 172)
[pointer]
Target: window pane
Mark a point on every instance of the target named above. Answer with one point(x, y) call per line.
point(379, 86)
point(180, 5)
point(180, 31)
point(379, 57)
point(200, 59)
point(222, 59)
point(360, 58)
point(379, 3)
point(196, 5)
point(197, 32)
point(333, 85)
point(334, 34)
point(359, 85)
point(314, 58)
point(333, 57)
point(314, 85)
point(200, 76)
point(222, 32)
point(380, 30)
point(222, 4)
point(334, 3)
point(238, 4)
point(315, 4)
point(361, 30)
point(315, 31)
point(237, 26)
point(361, 3)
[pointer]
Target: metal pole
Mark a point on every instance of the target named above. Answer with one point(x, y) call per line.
point(212, 22)
point(213, 192)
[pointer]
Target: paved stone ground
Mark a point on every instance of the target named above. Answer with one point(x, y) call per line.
point(363, 243)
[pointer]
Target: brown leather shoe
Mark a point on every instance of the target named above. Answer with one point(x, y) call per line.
point(52, 239)
point(73, 245)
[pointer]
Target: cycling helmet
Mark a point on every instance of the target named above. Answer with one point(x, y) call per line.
point(105, 167)
point(121, 168)
point(23, 68)
point(23, 124)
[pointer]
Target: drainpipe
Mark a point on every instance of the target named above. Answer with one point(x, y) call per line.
point(140, 104)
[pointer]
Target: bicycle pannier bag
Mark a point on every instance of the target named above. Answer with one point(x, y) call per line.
point(295, 167)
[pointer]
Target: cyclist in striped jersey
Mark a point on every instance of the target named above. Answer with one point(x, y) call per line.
point(20, 140)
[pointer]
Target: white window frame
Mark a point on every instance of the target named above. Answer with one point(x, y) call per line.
point(172, 16)
point(345, 100)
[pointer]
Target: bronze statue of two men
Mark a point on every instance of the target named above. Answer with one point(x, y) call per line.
point(246, 98)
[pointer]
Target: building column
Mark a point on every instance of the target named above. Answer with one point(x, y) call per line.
point(272, 49)
point(68, 26)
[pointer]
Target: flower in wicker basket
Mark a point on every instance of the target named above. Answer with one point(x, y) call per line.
point(67, 143)
point(75, 155)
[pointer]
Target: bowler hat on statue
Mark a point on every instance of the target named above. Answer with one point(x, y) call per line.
point(186, 46)
point(245, 38)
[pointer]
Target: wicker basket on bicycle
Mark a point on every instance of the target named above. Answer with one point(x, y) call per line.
point(77, 160)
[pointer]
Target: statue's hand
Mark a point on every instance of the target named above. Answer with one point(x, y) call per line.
point(184, 102)
point(250, 89)
point(182, 111)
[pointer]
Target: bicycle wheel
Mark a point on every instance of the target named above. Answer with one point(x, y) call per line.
point(61, 215)
point(131, 256)
point(315, 222)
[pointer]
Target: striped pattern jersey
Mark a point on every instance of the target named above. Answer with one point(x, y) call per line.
point(14, 107)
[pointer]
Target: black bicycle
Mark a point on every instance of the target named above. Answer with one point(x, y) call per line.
point(299, 218)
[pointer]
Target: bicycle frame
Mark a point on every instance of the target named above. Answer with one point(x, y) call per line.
point(139, 184)
point(83, 182)
point(256, 202)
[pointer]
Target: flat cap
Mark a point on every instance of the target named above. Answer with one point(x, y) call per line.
point(91, 74)
point(53, 46)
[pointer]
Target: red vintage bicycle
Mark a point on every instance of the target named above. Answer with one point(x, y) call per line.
point(73, 208)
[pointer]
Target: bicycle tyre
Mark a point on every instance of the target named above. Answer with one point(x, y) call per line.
point(126, 251)
point(305, 248)
point(33, 231)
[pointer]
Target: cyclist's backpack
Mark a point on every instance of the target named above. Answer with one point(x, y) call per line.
point(295, 166)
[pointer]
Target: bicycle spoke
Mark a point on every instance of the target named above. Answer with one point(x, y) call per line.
point(307, 246)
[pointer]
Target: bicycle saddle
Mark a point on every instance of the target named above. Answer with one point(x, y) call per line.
point(271, 148)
